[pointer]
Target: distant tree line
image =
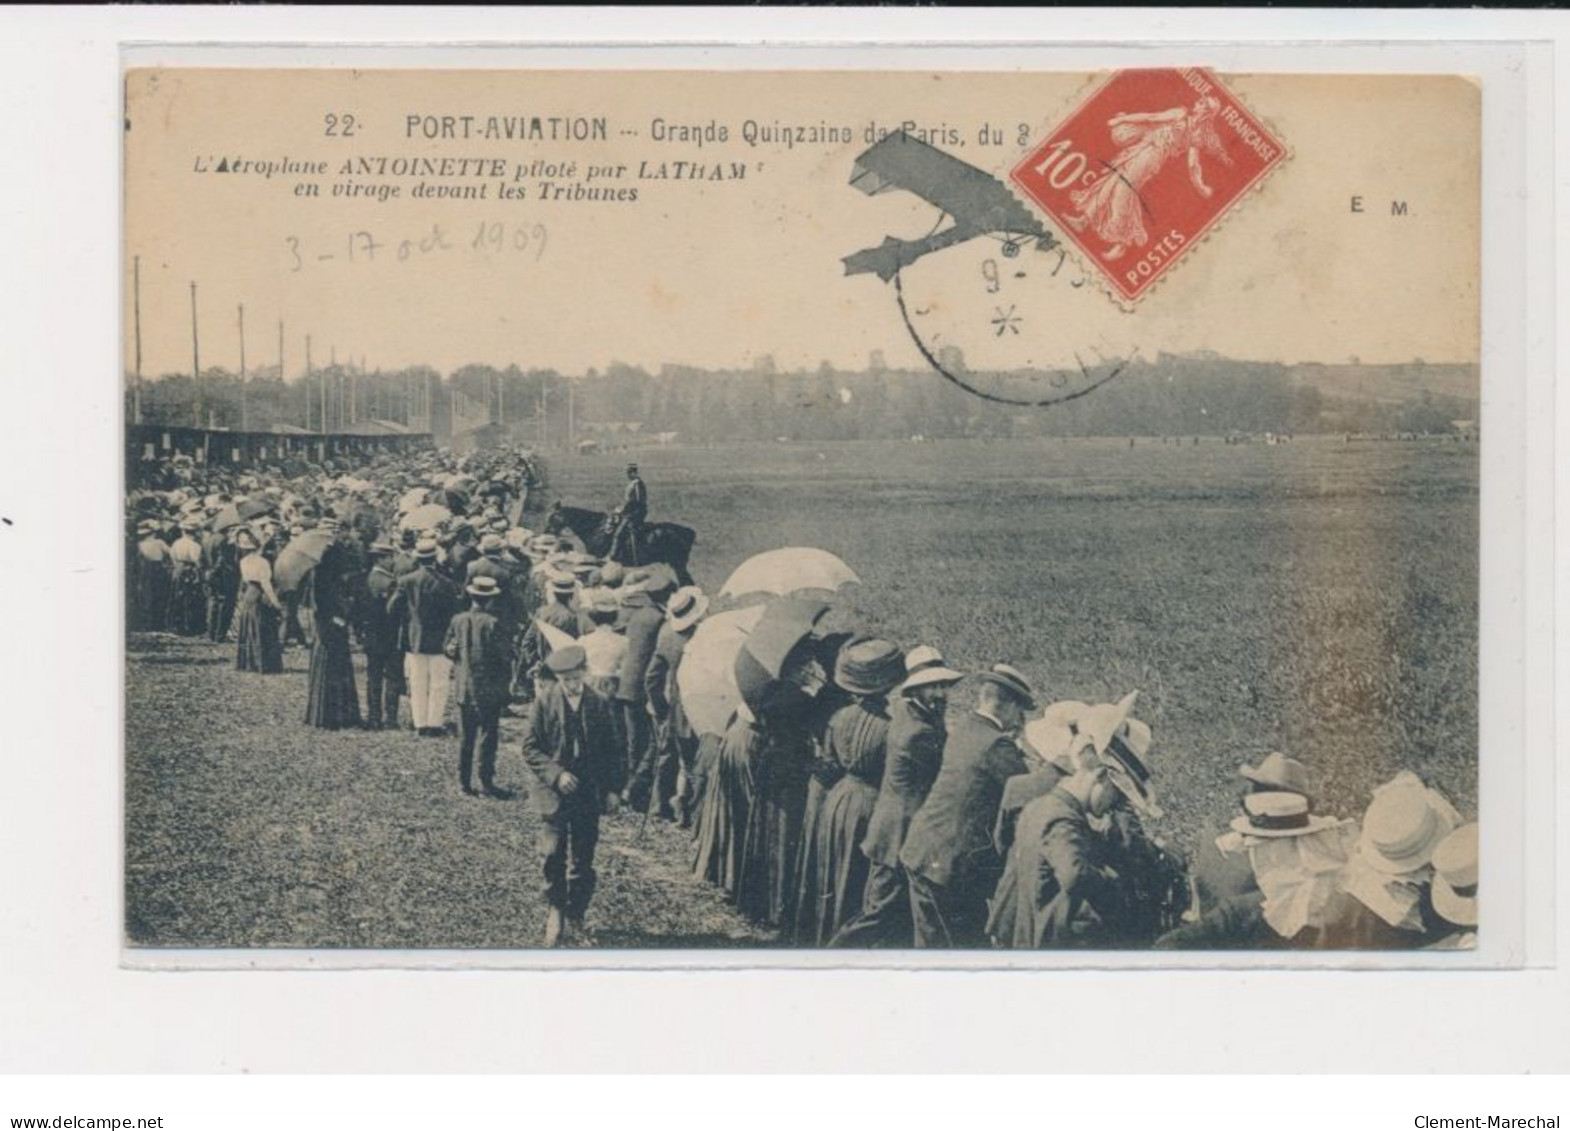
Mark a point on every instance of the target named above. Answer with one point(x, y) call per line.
point(1169, 396)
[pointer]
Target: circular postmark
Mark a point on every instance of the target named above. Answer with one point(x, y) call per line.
point(1014, 324)
point(994, 301)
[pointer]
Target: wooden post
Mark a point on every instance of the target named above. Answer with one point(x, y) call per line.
point(196, 359)
point(244, 417)
point(136, 292)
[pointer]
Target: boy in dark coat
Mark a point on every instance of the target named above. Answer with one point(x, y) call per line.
point(569, 746)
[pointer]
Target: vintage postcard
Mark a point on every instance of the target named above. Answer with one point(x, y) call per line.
point(906, 511)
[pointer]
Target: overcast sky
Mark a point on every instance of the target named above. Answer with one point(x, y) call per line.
point(717, 274)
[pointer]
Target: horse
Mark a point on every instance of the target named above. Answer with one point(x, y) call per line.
point(665, 542)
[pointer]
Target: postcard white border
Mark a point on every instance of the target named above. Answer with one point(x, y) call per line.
point(60, 932)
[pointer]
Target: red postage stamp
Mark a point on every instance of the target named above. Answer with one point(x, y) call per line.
point(1148, 163)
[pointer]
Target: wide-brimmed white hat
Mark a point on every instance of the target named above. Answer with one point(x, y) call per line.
point(1056, 736)
point(1404, 824)
point(1100, 721)
point(1278, 814)
point(1455, 877)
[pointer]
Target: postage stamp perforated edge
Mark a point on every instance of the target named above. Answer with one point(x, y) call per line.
point(1070, 241)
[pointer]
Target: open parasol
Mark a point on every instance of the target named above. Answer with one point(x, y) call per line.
point(240, 512)
point(412, 499)
point(788, 570)
point(706, 678)
point(299, 557)
point(427, 517)
point(554, 637)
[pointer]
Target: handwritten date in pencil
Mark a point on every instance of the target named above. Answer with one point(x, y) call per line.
point(365, 246)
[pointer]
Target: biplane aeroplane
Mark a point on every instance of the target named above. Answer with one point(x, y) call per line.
point(977, 203)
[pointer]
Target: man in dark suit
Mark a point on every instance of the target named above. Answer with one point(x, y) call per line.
point(949, 857)
point(496, 563)
point(477, 646)
point(675, 743)
point(569, 746)
point(644, 600)
point(221, 572)
point(379, 636)
point(426, 601)
point(917, 733)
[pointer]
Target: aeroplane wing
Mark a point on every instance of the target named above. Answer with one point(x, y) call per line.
point(977, 202)
point(975, 199)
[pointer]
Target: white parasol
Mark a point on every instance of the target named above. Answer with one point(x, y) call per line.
point(706, 678)
point(788, 570)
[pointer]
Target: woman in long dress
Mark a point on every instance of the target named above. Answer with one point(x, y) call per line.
point(766, 889)
point(256, 616)
point(1114, 207)
point(334, 703)
point(726, 803)
point(834, 869)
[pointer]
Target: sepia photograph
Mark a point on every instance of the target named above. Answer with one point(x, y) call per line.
point(987, 511)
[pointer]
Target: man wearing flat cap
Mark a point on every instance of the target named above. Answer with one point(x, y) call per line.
point(569, 747)
point(948, 855)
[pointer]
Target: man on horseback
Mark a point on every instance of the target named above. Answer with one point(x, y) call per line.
point(627, 540)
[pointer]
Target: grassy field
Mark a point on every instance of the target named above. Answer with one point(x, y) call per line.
point(1317, 597)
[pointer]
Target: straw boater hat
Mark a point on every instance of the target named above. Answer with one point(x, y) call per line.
point(1012, 681)
point(1403, 825)
point(492, 545)
point(1455, 877)
point(924, 666)
point(604, 605)
point(425, 547)
point(686, 608)
point(1279, 814)
point(1278, 772)
point(483, 586)
point(869, 667)
point(562, 583)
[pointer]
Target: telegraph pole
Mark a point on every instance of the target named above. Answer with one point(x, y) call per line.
point(136, 293)
point(572, 419)
point(244, 417)
point(196, 358)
